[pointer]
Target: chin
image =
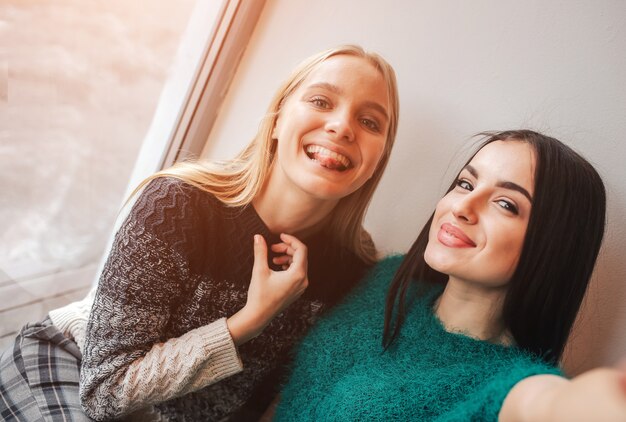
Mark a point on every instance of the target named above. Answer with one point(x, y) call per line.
point(327, 190)
point(430, 257)
point(438, 262)
point(329, 195)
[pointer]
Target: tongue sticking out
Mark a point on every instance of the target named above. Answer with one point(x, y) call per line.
point(328, 162)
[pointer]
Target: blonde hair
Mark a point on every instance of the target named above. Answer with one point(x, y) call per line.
point(236, 182)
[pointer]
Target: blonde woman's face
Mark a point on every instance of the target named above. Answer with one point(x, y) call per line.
point(331, 131)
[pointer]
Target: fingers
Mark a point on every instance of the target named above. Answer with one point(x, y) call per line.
point(289, 245)
point(290, 240)
point(299, 256)
point(292, 250)
point(260, 255)
point(282, 260)
point(289, 248)
point(282, 248)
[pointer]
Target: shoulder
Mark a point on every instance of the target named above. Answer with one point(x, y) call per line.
point(168, 199)
point(371, 291)
point(517, 374)
point(169, 191)
point(512, 365)
point(380, 274)
point(174, 212)
point(387, 266)
point(490, 376)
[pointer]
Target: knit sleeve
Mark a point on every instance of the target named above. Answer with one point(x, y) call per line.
point(129, 363)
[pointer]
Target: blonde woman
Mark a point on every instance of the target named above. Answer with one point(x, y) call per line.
point(191, 319)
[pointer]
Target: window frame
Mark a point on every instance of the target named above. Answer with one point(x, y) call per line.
point(184, 117)
point(192, 96)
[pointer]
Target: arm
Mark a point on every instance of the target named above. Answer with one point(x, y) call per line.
point(599, 394)
point(128, 361)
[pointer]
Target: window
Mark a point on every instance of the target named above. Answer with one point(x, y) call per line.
point(92, 95)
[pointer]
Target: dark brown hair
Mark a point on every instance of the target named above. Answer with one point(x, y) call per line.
point(562, 242)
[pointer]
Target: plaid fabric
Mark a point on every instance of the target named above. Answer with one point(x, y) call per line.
point(39, 376)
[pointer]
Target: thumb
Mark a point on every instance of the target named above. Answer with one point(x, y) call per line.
point(260, 255)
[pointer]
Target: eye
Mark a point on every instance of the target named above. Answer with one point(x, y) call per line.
point(370, 124)
point(508, 205)
point(320, 102)
point(464, 184)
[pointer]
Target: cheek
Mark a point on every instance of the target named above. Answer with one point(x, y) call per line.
point(430, 252)
point(288, 116)
point(517, 239)
point(509, 250)
point(288, 141)
point(285, 154)
point(372, 156)
point(442, 207)
point(372, 167)
point(516, 250)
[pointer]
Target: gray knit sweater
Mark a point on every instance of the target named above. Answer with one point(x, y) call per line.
point(157, 335)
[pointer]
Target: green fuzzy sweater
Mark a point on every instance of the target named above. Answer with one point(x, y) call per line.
point(341, 373)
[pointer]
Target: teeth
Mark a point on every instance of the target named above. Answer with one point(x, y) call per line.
point(316, 149)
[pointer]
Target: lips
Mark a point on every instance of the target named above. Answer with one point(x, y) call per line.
point(454, 237)
point(328, 158)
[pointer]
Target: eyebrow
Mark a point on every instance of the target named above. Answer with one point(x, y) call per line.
point(502, 184)
point(334, 88)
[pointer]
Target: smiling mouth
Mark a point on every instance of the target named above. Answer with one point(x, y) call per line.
point(454, 237)
point(326, 158)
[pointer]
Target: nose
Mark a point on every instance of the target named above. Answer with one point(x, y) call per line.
point(465, 209)
point(339, 125)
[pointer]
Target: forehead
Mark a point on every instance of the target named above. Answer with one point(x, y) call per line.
point(507, 161)
point(352, 75)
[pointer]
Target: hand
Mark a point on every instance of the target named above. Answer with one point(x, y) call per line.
point(270, 292)
point(596, 395)
point(599, 394)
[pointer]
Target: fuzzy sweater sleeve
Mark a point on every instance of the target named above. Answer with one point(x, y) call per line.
point(129, 363)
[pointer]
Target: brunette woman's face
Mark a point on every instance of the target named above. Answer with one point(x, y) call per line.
point(331, 131)
point(478, 228)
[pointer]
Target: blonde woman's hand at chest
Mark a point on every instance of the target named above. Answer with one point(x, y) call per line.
point(270, 292)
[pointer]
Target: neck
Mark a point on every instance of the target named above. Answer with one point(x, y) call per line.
point(473, 311)
point(292, 212)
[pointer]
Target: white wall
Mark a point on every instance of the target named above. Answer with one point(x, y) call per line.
point(464, 67)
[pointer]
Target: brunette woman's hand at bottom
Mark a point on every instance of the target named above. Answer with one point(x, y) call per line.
point(596, 395)
point(270, 292)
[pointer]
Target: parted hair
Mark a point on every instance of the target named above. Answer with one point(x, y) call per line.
point(559, 252)
point(236, 182)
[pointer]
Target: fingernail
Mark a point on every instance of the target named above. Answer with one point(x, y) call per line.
point(256, 238)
